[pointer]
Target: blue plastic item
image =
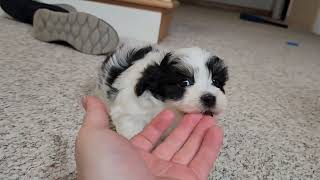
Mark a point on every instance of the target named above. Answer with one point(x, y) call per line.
point(292, 43)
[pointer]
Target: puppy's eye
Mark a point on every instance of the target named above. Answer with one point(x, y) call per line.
point(185, 83)
point(215, 82)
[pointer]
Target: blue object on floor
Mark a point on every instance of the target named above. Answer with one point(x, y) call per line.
point(261, 19)
point(292, 43)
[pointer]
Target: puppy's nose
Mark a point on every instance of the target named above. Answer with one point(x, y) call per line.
point(208, 100)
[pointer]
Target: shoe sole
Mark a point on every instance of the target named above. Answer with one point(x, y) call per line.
point(83, 31)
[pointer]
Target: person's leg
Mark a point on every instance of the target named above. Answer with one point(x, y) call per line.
point(53, 23)
point(24, 10)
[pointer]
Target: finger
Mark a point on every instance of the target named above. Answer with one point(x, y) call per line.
point(151, 134)
point(204, 160)
point(190, 148)
point(96, 113)
point(176, 139)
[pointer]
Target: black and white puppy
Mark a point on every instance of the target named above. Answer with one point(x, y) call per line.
point(137, 83)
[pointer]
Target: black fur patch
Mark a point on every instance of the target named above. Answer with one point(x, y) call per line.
point(112, 92)
point(114, 72)
point(218, 71)
point(163, 79)
point(132, 56)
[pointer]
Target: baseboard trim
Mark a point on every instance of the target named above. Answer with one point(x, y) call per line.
point(229, 7)
point(151, 3)
point(133, 5)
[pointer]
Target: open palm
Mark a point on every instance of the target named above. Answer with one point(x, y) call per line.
point(188, 153)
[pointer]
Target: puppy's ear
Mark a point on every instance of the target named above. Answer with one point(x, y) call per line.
point(167, 61)
point(152, 76)
point(149, 79)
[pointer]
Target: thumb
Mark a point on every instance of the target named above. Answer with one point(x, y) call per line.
point(96, 113)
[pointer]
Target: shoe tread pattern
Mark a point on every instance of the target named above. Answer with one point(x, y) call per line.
point(83, 31)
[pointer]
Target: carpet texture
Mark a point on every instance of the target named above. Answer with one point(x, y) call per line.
point(272, 126)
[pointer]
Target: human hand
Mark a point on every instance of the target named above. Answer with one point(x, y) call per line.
point(188, 153)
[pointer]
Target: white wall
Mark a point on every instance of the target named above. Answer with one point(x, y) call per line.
point(258, 4)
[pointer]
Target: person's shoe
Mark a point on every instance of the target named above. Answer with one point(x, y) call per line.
point(83, 31)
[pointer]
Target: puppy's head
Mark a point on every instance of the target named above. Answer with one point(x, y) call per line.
point(189, 80)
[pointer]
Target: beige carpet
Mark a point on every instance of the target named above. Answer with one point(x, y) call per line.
point(272, 126)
